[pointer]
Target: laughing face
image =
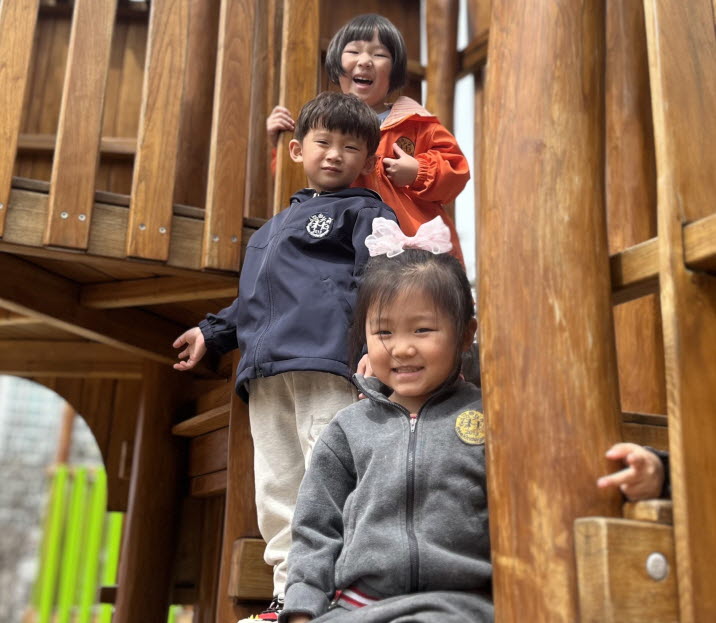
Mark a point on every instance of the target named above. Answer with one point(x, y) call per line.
point(367, 66)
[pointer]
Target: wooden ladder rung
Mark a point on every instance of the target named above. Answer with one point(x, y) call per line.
point(251, 579)
point(203, 423)
point(657, 511)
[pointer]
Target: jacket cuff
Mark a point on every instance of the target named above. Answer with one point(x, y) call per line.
point(665, 493)
point(420, 179)
point(207, 330)
point(303, 598)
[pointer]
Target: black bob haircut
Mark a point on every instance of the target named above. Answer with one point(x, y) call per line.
point(362, 28)
point(344, 113)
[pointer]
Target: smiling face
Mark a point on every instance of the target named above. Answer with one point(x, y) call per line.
point(331, 160)
point(412, 347)
point(367, 66)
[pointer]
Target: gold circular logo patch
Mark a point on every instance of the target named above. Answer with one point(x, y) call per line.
point(470, 427)
point(406, 145)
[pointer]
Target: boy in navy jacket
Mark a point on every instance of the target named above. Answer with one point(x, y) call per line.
point(295, 303)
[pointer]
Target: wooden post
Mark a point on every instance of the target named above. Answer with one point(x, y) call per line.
point(682, 67)
point(546, 332)
point(441, 72)
point(150, 531)
point(64, 443)
point(631, 202)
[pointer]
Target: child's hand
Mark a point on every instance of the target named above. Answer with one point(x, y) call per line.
point(364, 368)
point(643, 477)
point(195, 348)
point(299, 618)
point(278, 121)
point(401, 170)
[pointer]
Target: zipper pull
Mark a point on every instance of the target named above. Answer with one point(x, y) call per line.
point(413, 421)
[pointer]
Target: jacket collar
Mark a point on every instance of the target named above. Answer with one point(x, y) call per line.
point(403, 108)
point(377, 392)
point(305, 194)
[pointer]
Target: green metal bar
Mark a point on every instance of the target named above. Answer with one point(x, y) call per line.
point(111, 560)
point(73, 544)
point(95, 524)
point(53, 541)
point(173, 612)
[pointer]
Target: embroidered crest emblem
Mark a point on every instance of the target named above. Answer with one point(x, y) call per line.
point(406, 145)
point(319, 225)
point(470, 427)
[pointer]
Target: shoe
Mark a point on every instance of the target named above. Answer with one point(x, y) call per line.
point(270, 614)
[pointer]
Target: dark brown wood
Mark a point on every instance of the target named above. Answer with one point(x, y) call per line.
point(208, 485)
point(203, 423)
point(682, 67)
point(207, 452)
point(149, 539)
point(549, 371)
point(212, 518)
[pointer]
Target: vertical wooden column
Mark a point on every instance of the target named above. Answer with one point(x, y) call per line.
point(682, 65)
point(149, 541)
point(240, 509)
point(441, 72)
point(631, 202)
point(546, 332)
point(300, 59)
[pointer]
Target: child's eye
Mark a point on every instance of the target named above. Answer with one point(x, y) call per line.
point(352, 148)
point(424, 330)
point(383, 54)
point(382, 333)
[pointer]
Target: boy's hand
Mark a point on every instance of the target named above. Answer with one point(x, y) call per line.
point(643, 477)
point(299, 618)
point(401, 170)
point(278, 121)
point(194, 351)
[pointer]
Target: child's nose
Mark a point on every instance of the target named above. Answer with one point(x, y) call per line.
point(365, 59)
point(403, 348)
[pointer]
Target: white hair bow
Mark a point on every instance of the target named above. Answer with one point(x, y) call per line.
point(388, 239)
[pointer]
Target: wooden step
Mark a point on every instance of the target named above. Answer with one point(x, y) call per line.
point(203, 423)
point(251, 578)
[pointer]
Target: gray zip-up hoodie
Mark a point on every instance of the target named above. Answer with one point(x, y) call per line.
point(393, 506)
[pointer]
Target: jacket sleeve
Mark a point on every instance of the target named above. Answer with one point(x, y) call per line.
point(318, 527)
point(363, 228)
point(443, 169)
point(220, 329)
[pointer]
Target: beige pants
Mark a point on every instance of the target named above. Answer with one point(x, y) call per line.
point(287, 413)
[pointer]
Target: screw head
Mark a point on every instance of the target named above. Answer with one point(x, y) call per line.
point(234, 239)
point(162, 230)
point(215, 238)
point(2, 205)
point(82, 217)
point(657, 566)
point(63, 215)
point(142, 226)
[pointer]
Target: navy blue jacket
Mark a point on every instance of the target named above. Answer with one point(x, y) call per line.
point(297, 287)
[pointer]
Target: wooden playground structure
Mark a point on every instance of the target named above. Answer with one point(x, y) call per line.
point(134, 167)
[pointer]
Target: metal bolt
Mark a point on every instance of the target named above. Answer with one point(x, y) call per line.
point(657, 566)
point(162, 230)
point(63, 215)
point(2, 205)
point(82, 217)
point(142, 226)
point(234, 239)
point(215, 238)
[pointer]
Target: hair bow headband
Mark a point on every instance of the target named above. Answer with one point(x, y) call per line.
point(387, 238)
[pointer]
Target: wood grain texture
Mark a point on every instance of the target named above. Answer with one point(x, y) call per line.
point(208, 452)
point(229, 137)
point(549, 371)
point(251, 577)
point(150, 213)
point(211, 535)
point(441, 71)
point(682, 66)
point(76, 155)
point(203, 423)
point(17, 25)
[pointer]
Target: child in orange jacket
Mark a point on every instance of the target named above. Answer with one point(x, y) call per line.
point(419, 165)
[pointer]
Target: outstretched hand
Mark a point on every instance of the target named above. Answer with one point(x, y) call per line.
point(401, 170)
point(280, 120)
point(643, 476)
point(195, 349)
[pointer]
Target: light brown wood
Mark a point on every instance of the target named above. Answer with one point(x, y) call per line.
point(441, 71)
point(8, 319)
point(474, 57)
point(150, 214)
point(614, 585)
point(546, 331)
point(17, 25)
point(658, 511)
point(109, 145)
point(66, 359)
point(64, 442)
point(155, 291)
point(77, 152)
point(300, 56)
point(682, 66)
point(203, 422)
point(207, 452)
point(251, 578)
point(229, 137)
point(208, 485)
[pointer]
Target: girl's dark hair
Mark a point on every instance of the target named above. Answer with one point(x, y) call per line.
point(361, 28)
point(345, 113)
point(441, 277)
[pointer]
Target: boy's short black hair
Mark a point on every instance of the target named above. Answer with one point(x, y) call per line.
point(361, 28)
point(338, 111)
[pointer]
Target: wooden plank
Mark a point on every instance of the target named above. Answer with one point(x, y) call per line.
point(682, 66)
point(77, 152)
point(207, 452)
point(8, 319)
point(66, 359)
point(474, 57)
point(251, 578)
point(203, 422)
point(659, 511)
point(150, 214)
point(154, 291)
point(212, 520)
point(17, 25)
point(116, 146)
point(546, 337)
point(95, 406)
point(613, 561)
point(208, 485)
point(441, 71)
point(229, 137)
point(300, 56)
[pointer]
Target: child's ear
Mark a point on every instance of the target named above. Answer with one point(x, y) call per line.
point(469, 334)
point(369, 164)
point(295, 149)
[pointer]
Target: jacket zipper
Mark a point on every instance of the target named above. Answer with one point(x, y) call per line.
point(410, 508)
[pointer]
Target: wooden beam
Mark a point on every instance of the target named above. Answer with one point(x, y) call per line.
point(31, 291)
point(67, 359)
point(10, 319)
point(17, 25)
point(150, 214)
point(474, 56)
point(116, 146)
point(203, 423)
point(441, 72)
point(251, 578)
point(154, 291)
point(74, 166)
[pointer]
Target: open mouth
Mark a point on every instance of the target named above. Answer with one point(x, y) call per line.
point(362, 81)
